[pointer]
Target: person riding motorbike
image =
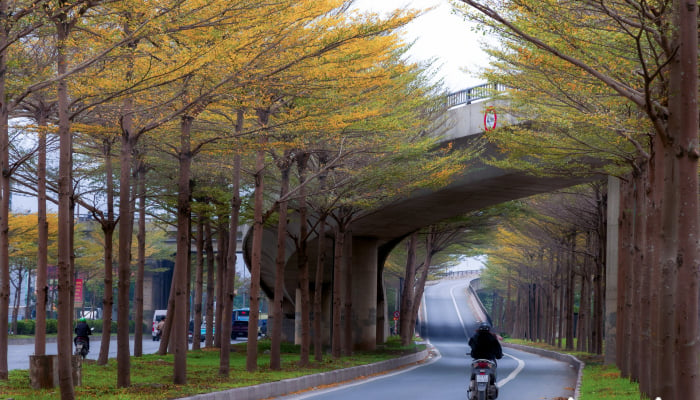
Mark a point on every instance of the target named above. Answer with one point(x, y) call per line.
point(484, 346)
point(82, 330)
point(160, 327)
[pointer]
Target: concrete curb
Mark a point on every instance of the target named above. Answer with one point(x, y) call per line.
point(567, 358)
point(289, 386)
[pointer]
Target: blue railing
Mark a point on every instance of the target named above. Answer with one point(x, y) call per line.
point(472, 94)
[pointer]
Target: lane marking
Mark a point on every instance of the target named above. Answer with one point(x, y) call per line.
point(361, 381)
point(461, 321)
point(514, 373)
point(521, 363)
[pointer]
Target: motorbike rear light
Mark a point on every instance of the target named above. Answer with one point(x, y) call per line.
point(483, 365)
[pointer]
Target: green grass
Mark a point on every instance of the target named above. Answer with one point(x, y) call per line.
point(600, 381)
point(604, 382)
point(151, 375)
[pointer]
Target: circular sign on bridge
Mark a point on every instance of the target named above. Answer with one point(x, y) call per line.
point(490, 118)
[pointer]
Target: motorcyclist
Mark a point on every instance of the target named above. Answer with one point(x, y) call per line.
point(82, 330)
point(485, 344)
point(160, 327)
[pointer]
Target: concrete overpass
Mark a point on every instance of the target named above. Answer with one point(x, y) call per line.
point(378, 231)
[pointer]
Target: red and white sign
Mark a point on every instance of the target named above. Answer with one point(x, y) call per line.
point(78, 293)
point(490, 118)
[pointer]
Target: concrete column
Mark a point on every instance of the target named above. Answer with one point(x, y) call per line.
point(611, 254)
point(297, 317)
point(364, 296)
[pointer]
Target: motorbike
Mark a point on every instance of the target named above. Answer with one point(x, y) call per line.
point(482, 383)
point(81, 346)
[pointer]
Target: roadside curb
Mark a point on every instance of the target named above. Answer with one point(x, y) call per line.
point(289, 386)
point(567, 358)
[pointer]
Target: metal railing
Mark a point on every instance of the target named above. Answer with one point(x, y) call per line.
point(472, 94)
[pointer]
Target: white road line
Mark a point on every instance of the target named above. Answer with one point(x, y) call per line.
point(516, 371)
point(521, 363)
point(461, 321)
point(361, 382)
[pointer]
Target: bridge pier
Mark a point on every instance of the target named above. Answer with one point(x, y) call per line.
point(364, 296)
point(611, 269)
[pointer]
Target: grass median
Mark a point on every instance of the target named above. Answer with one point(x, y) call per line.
point(600, 381)
point(151, 375)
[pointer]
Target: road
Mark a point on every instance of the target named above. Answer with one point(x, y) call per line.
point(521, 376)
point(18, 354)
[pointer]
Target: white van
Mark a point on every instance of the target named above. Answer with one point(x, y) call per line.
point(157, 316)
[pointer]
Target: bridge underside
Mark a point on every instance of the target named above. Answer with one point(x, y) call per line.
point(376, 233)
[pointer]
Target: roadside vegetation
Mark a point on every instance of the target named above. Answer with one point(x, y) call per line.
point(600, 381)
point(153, 377)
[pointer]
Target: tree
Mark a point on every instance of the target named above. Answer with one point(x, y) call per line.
point(662, 88)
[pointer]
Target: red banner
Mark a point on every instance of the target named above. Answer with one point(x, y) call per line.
point(78, 293)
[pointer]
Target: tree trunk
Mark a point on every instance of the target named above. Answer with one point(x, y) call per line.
point(658, 324)
point(219, 291)
point(280, 261)
point(180, 277)
point(303, 262)
point(4, 211)
point(642, 356)
point(125, 232)
point(256, 248)
point(683, 126)
point(571, 289)
point(43, 242)
point(407, 296)
point(108, 232)
point(198, 284)
point(423, 278)
point(65, 192)
point(213, 314)
point(347, 262)
point(221, 257)
point(141, 259)
point(337, 290)
point(230, 279)
point(318, 290)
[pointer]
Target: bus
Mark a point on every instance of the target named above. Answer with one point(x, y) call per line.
point(241, 314)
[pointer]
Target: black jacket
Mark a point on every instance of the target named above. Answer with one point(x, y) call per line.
point(485, 345)
point(82, 329)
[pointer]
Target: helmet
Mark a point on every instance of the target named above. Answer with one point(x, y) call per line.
point(82, 319)
point(484, 327)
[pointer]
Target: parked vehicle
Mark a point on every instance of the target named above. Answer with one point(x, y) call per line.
point(482, 383)
point(158, 315)
point(241, 314)
point(239, 328)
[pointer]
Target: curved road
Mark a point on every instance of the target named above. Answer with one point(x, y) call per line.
point(449, 321)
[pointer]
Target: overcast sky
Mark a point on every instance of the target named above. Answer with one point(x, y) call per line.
point(439, 34)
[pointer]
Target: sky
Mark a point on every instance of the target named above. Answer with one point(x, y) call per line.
point(442, 35)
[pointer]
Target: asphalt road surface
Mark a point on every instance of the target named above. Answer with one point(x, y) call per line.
point(18, 354)
point(447, 322)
